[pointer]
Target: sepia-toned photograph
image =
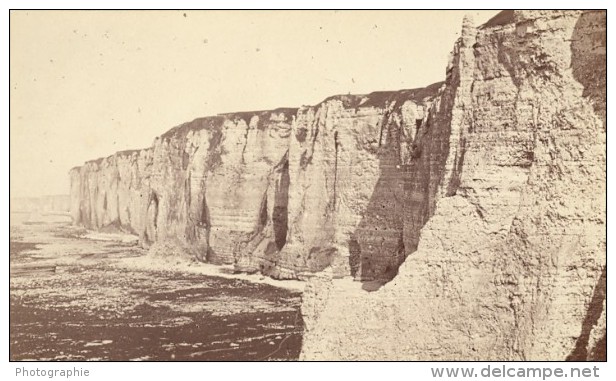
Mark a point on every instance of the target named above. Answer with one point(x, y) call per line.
point(315, 185)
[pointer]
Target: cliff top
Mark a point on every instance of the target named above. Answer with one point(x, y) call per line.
point(287, 112)
point(207, 122)
point(99, 160)
point(380, 99)
point(377, 99)
point(215, 122)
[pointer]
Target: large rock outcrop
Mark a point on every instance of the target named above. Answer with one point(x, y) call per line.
point(505, 205)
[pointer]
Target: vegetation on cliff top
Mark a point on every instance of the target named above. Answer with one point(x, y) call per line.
point(380, 99)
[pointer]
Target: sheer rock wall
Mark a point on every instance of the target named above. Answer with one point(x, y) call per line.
point(506, 206)
point(286, 192)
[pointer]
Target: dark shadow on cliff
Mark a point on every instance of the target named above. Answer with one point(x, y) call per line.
point(588, 58)
point(405, 195)
point(589, 67)
point(412, 167)
point(281, 201)
point(151, 228)
point(376, 247)
point(595, 308)
point(203, 229)
point(261, 248)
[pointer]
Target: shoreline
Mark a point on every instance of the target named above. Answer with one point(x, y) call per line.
point(181, 264)
point(80, 295)
point(184, 263)
point(148, 261)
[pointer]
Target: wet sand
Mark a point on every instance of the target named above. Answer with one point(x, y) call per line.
point(76, 298)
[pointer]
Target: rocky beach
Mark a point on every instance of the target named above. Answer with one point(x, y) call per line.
point(103, 298)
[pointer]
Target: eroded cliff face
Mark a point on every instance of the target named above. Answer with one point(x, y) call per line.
point(347, 162)
point(286, 192)
point(197, 187)
point(505, 205)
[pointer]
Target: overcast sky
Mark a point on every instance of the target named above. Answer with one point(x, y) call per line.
point(86, 84)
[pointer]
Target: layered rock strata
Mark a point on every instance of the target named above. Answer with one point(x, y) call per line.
point(286, 192)
point(505, 205)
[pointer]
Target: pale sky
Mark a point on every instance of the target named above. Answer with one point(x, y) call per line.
point(85, 84)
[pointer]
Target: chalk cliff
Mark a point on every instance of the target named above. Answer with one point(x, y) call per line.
point(510, 190)
point(286, 192)
point(481, 200)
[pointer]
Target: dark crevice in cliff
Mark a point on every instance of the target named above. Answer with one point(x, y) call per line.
point(262, 214)
point(202, 230)
point(190, 231)
point(382, 127)
point(593, 313)
point(454, 182)
point(152, 219)
point(418, 123)
point(401, 140)
point(245, 141)
point(187, 190)
point(336, 146)
point(204, 219)
point(280, 217)
point(155, 210)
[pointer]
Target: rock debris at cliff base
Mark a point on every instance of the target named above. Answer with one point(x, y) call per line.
point(480, 200)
